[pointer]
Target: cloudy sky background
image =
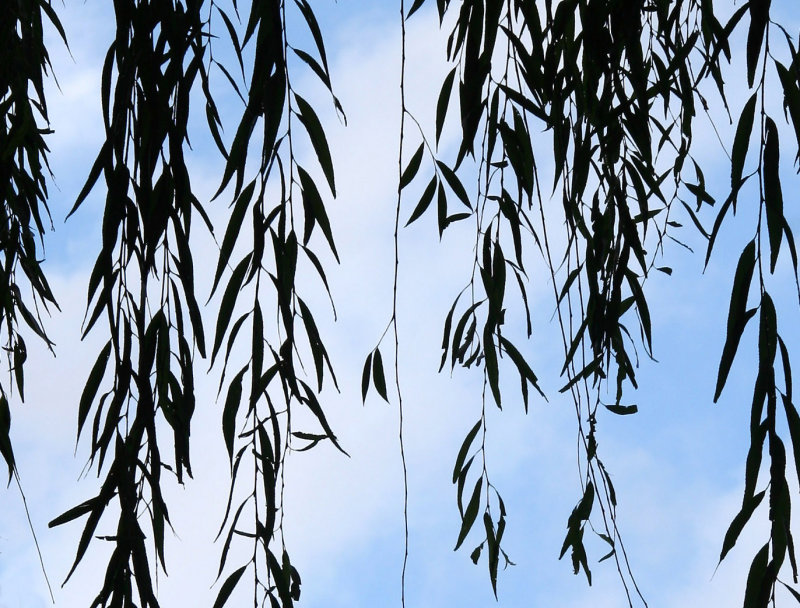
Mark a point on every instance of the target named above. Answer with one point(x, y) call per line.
point(677, 465)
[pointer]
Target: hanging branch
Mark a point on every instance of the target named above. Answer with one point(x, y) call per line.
point(24, 212)
point(593, 75)
point(759, 260)
point(283, 226)
point(142, 283)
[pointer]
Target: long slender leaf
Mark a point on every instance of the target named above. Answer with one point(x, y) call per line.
point(737, 314)
point(318, 140)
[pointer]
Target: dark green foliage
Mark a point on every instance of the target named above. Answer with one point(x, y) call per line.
point(156, 58)
point(24, 215)
point(608, 90)
point(262, 395)
point(616, 86)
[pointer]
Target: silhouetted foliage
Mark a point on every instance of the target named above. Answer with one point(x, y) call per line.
point(609, 90)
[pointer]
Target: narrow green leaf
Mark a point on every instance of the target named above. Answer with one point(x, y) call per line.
point(365, 378)
point(793, 420)
point(232, 403)
point(493, 548)
point(228, 587)
point(237, 48)
point(584, 508)
point(94, 175)
point(470, 513)
point(318, 350)
point(313, 27)
point(232, 232)
point(237, 156)
point(318, 140)
point(313, 202)
point(448, 322)
point(311, 401)
point(794, 593)
point(414, 7)
point(773, 196)
point(767, 334)
point(73, 513)
point(741, 141)
point(226, 545)
point(462, 453)
point(92, 384)
point(759, 19)
point(462, 479)
point(441, 210)
point(717, 224)
point(98, 506)
point(378, 375)
point(574, 273)
point(498, 279)
point(754, 591)
point(641, 308)
point(256, 352)
point(443, 102)
point(492, 369)
point(791, 94)
point(412, 167)
point(455, 184)
point(424, 201)
point(6, 450)
point(737, 314)
point(524, 369)
point(227, 304)
point(315, 67)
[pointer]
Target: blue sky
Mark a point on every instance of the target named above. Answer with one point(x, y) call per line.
point(677, 465)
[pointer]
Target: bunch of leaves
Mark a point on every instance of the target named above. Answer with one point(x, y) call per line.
point(271, 384)
point(614, 87)
point(24, 62)
point(142, 284)
point(757, 273)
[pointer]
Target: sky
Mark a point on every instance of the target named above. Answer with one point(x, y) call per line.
point(677, 465)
